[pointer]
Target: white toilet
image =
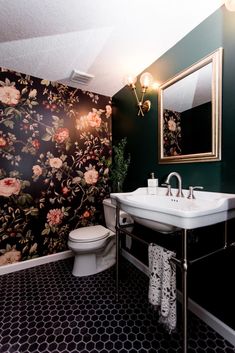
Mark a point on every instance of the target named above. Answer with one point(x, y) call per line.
point(94, 247)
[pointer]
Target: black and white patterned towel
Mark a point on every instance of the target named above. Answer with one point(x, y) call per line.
point(162, 284)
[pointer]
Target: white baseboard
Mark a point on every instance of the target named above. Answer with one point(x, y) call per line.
point(17, 266)
point(224, 330)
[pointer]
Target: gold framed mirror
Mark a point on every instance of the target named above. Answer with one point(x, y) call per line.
point(189, 119)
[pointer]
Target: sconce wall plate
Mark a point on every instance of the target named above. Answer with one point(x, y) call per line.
point(146, 106)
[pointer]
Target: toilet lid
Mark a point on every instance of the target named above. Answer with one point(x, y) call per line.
point(88, 234)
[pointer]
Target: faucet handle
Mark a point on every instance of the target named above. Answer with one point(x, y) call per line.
point(191, 188)
point(180, 193)
point(168, 193)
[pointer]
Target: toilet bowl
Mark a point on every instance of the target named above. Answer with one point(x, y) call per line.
point(94, 247)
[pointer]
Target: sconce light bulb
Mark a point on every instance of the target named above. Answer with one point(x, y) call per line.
point(146, 79)
point(130, 80)
point(230, 5)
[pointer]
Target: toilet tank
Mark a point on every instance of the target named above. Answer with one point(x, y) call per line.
point(110, 215)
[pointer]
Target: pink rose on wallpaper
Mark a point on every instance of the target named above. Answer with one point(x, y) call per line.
point(86, 214)
point(36, 144)
point(3, 142)
point(10, 257)
point(9, 186)
point(61, 134)
point(94, 118)
point(9, 95)
point(55, 162)
point(55, 216)
point(65, 190)
point(171, 125)
point(91, 176)
point(37, 170)
point(108, 110)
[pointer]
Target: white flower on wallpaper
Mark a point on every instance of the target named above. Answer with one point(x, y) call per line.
point(9, 95)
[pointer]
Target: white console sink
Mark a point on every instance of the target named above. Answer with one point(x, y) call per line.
point(168, 213)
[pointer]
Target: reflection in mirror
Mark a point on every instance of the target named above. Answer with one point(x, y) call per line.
point(189, 114)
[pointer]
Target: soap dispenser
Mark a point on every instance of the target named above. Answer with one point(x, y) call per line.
point(152, 185)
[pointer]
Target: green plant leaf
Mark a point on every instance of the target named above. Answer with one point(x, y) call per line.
point(120, 165)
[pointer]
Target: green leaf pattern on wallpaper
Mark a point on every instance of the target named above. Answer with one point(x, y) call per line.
point(55, 154)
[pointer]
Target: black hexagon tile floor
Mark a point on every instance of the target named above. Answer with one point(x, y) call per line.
point(45, 309)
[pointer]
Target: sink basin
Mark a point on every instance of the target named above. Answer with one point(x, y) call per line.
point(167, 214)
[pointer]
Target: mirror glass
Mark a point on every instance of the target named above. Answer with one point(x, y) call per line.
point(190, 113)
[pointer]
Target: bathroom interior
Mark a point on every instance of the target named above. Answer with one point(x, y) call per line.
point(58, 217)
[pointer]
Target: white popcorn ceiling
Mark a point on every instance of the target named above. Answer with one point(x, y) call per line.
point(105, 38)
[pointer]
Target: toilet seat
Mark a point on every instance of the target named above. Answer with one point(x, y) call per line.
point(88, 234)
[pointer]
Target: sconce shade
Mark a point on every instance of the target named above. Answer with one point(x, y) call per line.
point(146, 79)
point(230, 5)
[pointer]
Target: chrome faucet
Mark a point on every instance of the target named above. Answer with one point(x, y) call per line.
point(167, 182)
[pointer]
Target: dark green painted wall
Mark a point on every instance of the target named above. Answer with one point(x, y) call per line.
point(216, 31)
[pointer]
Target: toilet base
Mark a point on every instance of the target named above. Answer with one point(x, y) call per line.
point(90, 264)
point(84, 265)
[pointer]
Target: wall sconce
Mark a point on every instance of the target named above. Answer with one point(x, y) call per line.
point(146, 79)
point(230, 5)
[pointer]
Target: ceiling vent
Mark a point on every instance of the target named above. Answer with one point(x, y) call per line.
point(81, 78)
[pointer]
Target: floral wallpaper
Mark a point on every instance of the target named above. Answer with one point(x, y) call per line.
point(172, 133)
point(55, 154)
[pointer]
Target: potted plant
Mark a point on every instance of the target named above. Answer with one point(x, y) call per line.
point(120, 165)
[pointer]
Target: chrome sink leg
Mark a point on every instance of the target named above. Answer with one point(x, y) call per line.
point(185, 290)
point(117, 250)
